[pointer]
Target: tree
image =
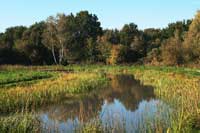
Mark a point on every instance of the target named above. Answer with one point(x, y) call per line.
point(88, 27)
point(153, 57)
point(57, 36)
point(9, 55)
point(172, 50)
point(127, 34)
point(192, 41)
point(92, 51)
point(31, 45)
point(115, 55)
point(68, 36)
point(181, 26)
point(79, 38)
point(104, 47)
point(138, 46)
point(112, 36)
point(13, 34)
point(50, 37)
point(152, 38)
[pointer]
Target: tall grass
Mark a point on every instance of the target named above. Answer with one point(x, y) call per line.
point(50, 91)
point(19, 123)
point(180, 91)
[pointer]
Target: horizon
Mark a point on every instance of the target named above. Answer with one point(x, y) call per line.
point(152, 14)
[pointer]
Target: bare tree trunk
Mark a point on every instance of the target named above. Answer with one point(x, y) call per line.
point(61, 53)
point(53, 53)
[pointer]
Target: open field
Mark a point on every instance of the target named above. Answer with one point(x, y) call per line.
point(179, 88)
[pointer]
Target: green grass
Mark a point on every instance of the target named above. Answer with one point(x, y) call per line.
point(21, 77)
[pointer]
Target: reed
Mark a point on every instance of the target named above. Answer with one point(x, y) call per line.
point(48, 91)
point(181, 92)
point(19, 123)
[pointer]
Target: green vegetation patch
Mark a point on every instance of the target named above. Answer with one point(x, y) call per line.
point(14, 78)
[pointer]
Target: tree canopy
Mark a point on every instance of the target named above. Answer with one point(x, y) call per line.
point(79, 38)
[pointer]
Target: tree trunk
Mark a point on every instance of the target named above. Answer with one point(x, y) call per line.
point(54, 57)
point(61, 53)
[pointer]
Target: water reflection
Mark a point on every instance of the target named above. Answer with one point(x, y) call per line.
point(125, 105)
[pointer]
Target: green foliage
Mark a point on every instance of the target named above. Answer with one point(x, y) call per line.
point(172, 51)
point(192, 41)
point(112, 36)
point(104, 49)
point(127, 34)
point(181, 26)
point(68, 39)
point(32, 47)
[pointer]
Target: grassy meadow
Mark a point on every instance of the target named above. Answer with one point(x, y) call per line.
point(23, 90)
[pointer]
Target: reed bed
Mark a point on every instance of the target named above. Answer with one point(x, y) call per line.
point(31, 97)
point(178, 87)
point(19, 123)
point(181, 92)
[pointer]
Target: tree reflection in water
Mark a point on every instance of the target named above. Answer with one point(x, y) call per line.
point(124, 104)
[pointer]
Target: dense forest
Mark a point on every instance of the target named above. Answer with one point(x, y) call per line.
point(79, 38)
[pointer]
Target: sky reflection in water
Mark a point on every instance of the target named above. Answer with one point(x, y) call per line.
point(125, 105)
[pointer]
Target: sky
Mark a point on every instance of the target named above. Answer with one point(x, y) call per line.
point(111, 13)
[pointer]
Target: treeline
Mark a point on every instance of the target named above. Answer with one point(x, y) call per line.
point(67, 39)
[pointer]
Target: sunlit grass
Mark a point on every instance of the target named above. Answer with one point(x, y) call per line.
point(19, 123)
point(21, 77)
point(49, 91)
point(180, 91)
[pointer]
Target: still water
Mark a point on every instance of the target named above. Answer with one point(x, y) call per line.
point(123, 106)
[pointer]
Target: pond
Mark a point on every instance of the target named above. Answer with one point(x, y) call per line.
point(123, 106)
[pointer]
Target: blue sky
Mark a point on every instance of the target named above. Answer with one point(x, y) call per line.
point(111, 13)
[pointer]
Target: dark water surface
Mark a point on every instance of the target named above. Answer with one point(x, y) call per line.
point(124, 106)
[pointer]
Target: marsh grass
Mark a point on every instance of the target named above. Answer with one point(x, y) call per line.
point(50, 91)
point(178, 87)
point(19, 123)
point(181, 92)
